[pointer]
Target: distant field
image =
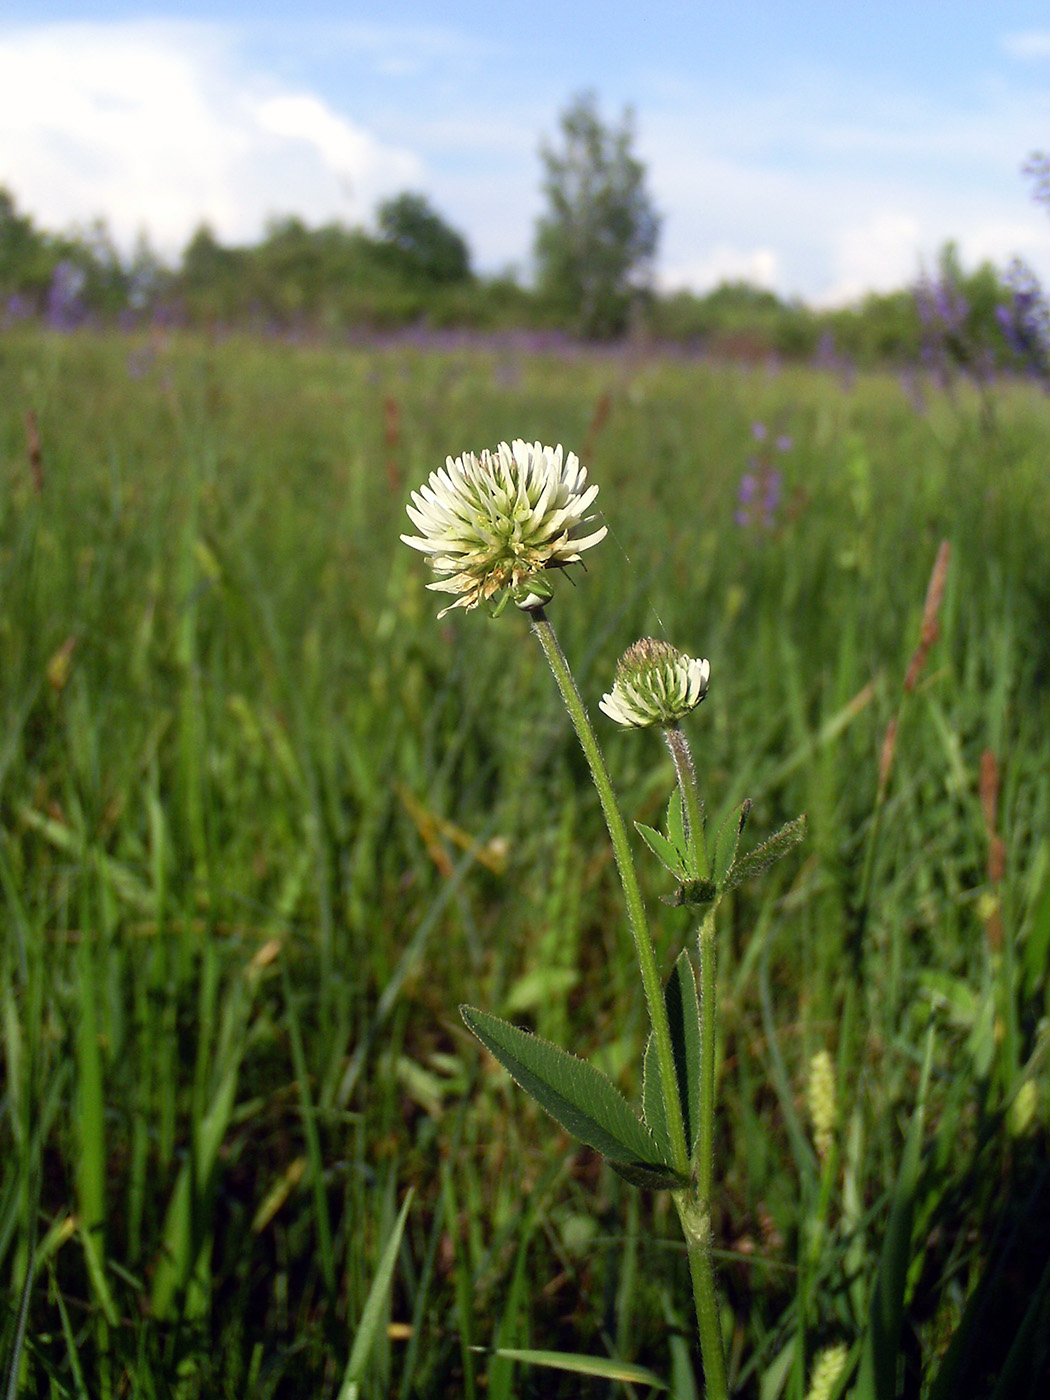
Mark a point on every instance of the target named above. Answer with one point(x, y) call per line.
point(265, 823)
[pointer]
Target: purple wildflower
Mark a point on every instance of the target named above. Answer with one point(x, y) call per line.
point(65, 310)
point(758, 498)
point(774, 483)
point(1025, 320)
point(18, 308)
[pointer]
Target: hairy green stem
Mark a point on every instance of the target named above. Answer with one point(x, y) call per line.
point(696, 1226)
point(698, 1240)
point(678, 745)
point(693, 1202)
point(705, 1142)
point(692, 807)
point(651, 981)
point(696, 1213)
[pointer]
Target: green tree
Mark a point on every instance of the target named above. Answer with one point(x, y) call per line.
point(595, 246)
point(424, 242)
point(27, 257)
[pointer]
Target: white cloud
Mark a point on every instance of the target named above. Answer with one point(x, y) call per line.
point(849, 188)
point(156, 126)
point(1028, 45)
point(999, 241)
point(880, 255)
point(722, 263)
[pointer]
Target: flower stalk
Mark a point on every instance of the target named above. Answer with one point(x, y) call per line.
point(682, 757)
point(698, 1242)
point(693, 1202)
point(636, 916)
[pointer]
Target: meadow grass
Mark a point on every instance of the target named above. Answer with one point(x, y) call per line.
point(266, 823)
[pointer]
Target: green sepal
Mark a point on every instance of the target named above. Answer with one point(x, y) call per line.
point(762, 857)
point(683, 1017)
point(692, 892)
point(584, 1101)
point(726, 842)
point(672, 857)
point(537, 591)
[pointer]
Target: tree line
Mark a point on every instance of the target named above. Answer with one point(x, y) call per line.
point(594, 255)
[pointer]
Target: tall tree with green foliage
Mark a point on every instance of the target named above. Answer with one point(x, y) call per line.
point(595, 245)
point(425, 243)
point(27, 256)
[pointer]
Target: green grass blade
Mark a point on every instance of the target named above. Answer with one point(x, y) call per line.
point(877, 1379)
point(607, 1369)
point(313, 1142)
point(1024, 1372)
point(367, 1328)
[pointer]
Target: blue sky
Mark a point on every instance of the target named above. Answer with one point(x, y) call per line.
point(822, 149)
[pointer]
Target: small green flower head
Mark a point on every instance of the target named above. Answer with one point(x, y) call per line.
point(492, 525)
point(655, 684)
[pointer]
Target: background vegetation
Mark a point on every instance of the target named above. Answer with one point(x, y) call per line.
point(412, 278)
point(265, 823)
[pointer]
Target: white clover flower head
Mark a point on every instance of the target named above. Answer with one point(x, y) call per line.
point(493, 524)
point(655, 684)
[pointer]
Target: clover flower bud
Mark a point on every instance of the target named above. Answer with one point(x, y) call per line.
point(655, 684)
point(493, 524)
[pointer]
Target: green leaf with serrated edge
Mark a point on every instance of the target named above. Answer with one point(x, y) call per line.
point(726, 842)
point(762, 857)
point(693, 892)
point(653, 1099)
point(663, 850)
point(683, 1017)
point(675, 825)
point(683, 1014)
point(583, 1100)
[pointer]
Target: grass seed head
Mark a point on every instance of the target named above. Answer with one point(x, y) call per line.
point(827, 1369)
point(821, 1101)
